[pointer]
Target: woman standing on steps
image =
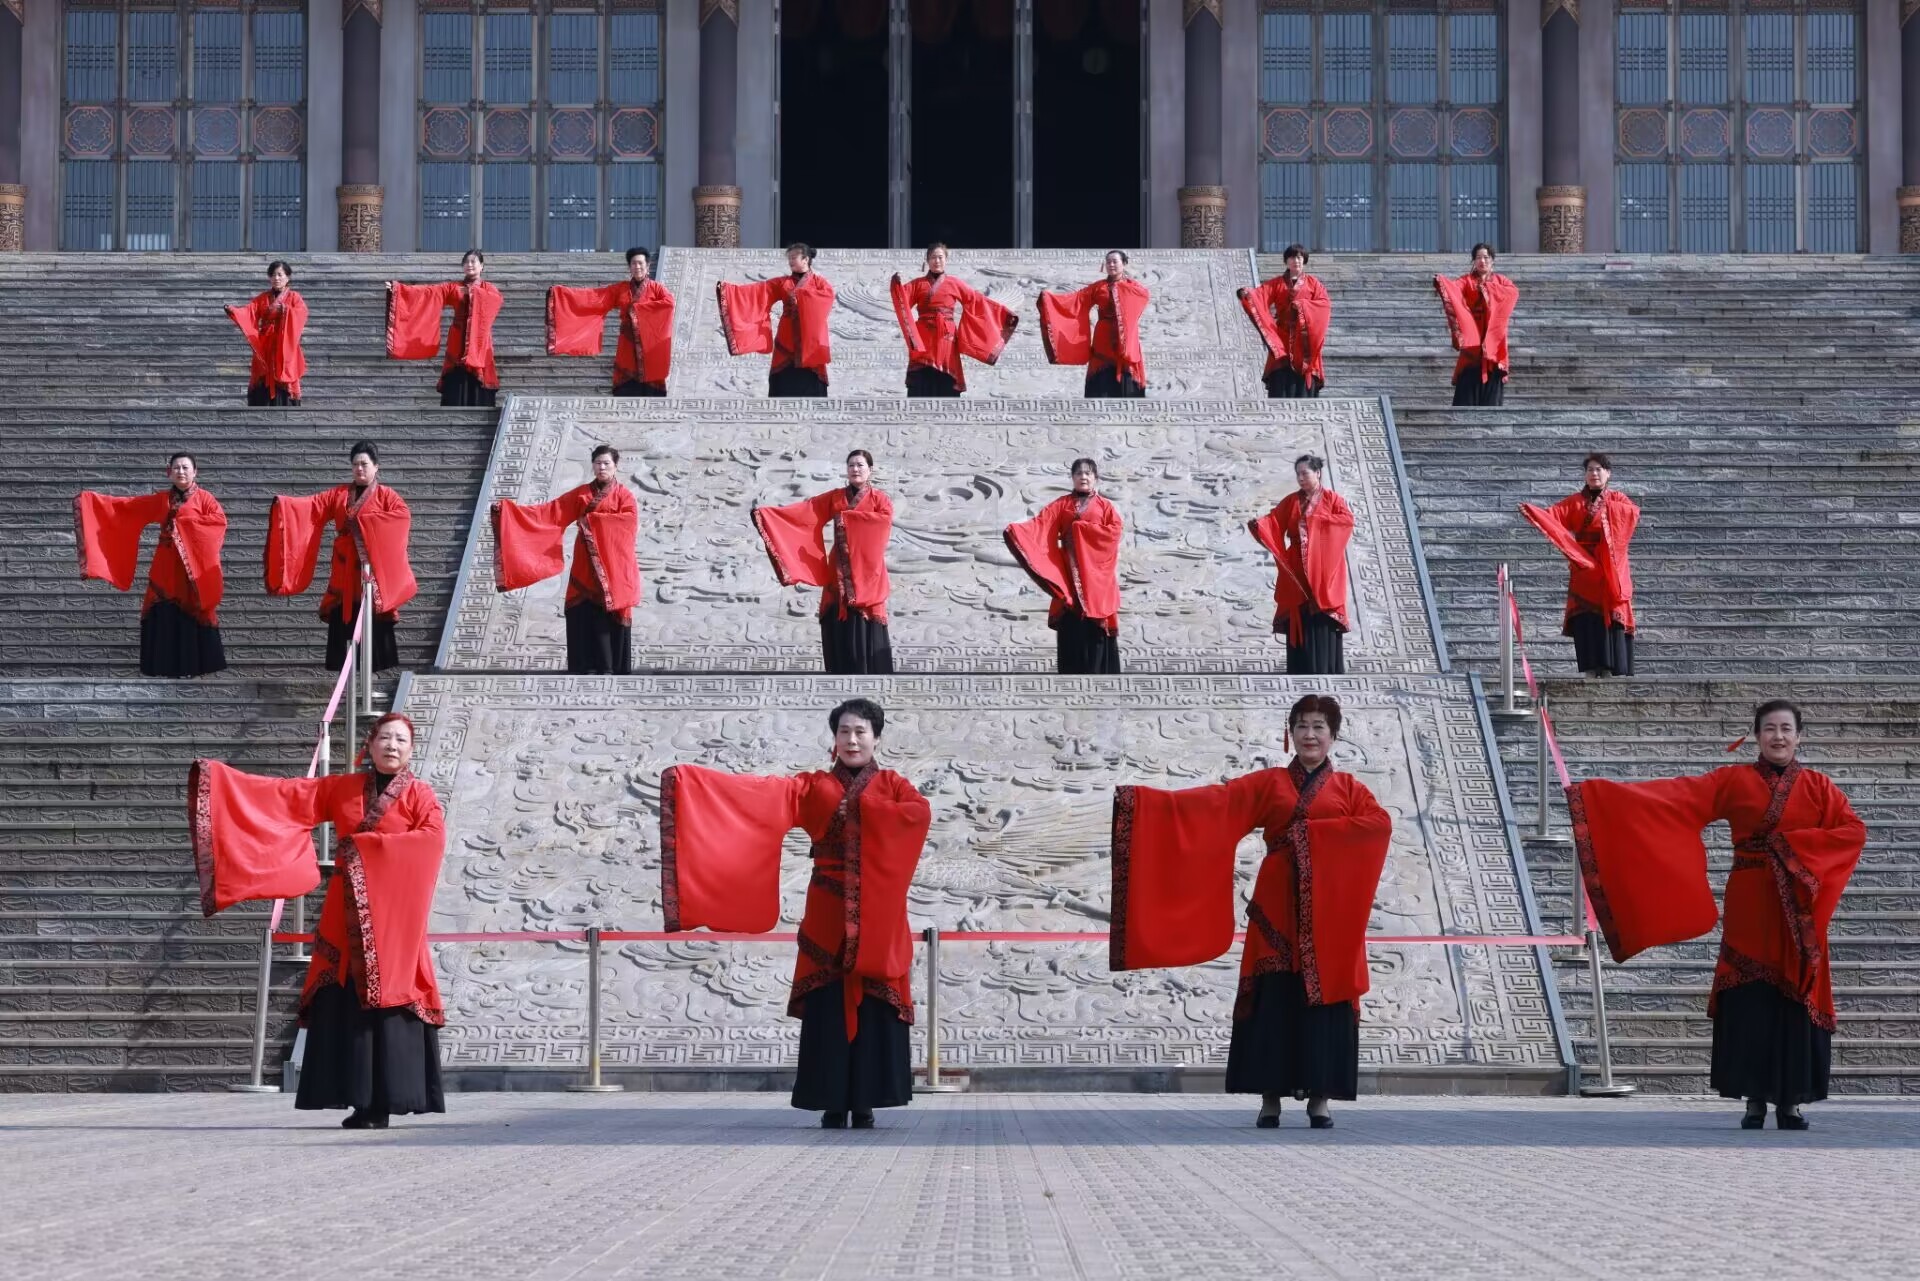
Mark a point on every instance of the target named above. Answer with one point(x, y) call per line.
point(1795, 843)
point(1291, 313)
point(272, 325)
point(1593, 529)
point(720, 837)
point(1099, 327)
point(852, 575)
point(467, 375)
point(1308, 532)
point(936, 340)
point(1479, 307)
point(800, 342)
point(1304, 967)
point(372, 528)
point(371, 1004)
point(1072, 550)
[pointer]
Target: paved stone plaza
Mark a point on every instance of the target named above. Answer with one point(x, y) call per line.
point(969, 1186)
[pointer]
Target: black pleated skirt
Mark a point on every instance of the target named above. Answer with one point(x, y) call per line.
point(386, 650)
point(874, 1070)
point(1322, 650)
point(262, 394)
point(634, 387)
point(855, 646)
point(598, 644)
point(1469, 390)
point(1284, 384)
point(462, 387)
point(376, 1060)
point(1084, 647)
point(795, 380)
point(1285, 1046)
point(1111, 384)
point(1765, 1047)
point(1600, 646)
point(925, 380)
point(174, 644)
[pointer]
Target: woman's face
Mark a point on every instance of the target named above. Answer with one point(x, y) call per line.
point(1779, 738)
point(638, 269)
point(1482, 262)
point(1085, 480)
point(365, 470)
point(1597, 476)
point(859, 471)
point(1307, 478)
point(603, 469)
point(798, 263)
point(1312, 738)
point(181, 472)
point(279, 278)
point(391, 750)
point(936, 260)
point(853, 741)
point(472, 268)
point(1116, 266)
point(1296, 266)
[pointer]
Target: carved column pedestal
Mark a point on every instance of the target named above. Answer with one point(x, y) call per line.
point(1203, 217)
point(360, 206)
point(716, 217)
point(1563, 219)
point(13, 217)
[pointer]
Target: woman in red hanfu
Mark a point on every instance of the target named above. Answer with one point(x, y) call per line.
point(467, 375)
point(1795, 843)
point(179, 617)
point(272, 325)
point(1291, 313)
point(935, 340)
point(1308, 534)
point(1593, 529)
point(1479, 307)
point(372, 527)
point(1072, 550)
point(852, 576)
point(720, 837)
point(605, 583)
point(800, 343)
point(371, 1005)
point(1099, 327)
point(1304, 967)
point(576, 326)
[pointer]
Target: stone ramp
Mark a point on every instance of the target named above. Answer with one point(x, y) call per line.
point(1197, 591)
point(551, 785)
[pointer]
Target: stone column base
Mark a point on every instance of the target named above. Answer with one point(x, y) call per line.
point(1909, 198)
point(716, 217)
point(1203, 217)
point(13, 217)
point(360, 208)
point(1563, 219)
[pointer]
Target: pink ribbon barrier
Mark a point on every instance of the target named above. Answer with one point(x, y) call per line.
point(956, 936)
point(326, 721)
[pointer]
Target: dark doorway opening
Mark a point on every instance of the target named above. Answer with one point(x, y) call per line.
point(833, 123)
point(1086, 124)
point(963, 123)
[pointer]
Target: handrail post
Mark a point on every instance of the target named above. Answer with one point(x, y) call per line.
point(256, 1083)
point(1507, 707)
point(934, 1084)
point(1606, 1087)
point(351, 728)
point(366, 640)
point(593, 1083)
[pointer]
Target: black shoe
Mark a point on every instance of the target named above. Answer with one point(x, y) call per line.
point(359, 1119)
point(833, 1120)
point(862, 1119)
point(1320, 1122)
point(1754, 1121)
point(1267, 1121)
point(1790, 1121)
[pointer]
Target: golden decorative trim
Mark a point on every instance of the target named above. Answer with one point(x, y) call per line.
point(1203, 217)
point(13, 215)
point(716, 217)
point(1550, 7)
point(373, 8)
point(731, 8)
point(360, 207)
point(18, 8)
point(1190, 9)
point(1563, 219)
point(1907, 9)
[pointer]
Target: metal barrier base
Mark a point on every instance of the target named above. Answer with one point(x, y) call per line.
point(944, 1087)
point(253, 1089)
point(587, 1087)
point(1618, 1090)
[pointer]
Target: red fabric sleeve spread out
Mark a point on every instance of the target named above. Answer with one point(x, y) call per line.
point(1173, 871)
point(576, 326)
point(1544, 520)
point(720, 837)
point(1299, 338)
point(1074, 556)
point(108, 532)
point(1066, 326)
point(1339, 861)
point(413, 326)
point(1482, 344)
point(985, 325)
point(746, 316)
point(1072, 335)
point(925, 308)
point(377, 527)
point(854, 574)
point(413, 319)
point(1595, 535)
point(1310, 569)
point(274, 333)
point(1642, 858)
point(919, 351)
point(795, 540)
point(801, 337)
point(577, 318)
point(813, 304)
point(186, 568)
point(253, 837)
point(529, 540)
point(894, 822)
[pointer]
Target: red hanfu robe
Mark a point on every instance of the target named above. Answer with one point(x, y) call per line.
point(576, 326)
point(1593, 530)
point(253, 839)
point(1477, 318)
point(1073, 553)
point(272, 324)
point(1308, 538)
point(801, 338)
point(1795, 843)
point(528, 540)
point(1292, 321)
point(720, 838)
point(1173, 895)
point(1098, 327)
point(413, 326)
point(371, 533)
point(925, 309)
point(186, 560)
point(853, 575)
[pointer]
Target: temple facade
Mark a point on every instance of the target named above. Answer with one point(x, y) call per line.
point(1629, 126)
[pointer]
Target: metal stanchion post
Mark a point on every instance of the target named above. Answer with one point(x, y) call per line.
point(934, 1084)
point(1542, 754)
point(348, 745)
point(593, 1083)
point(1506, 646)
point(255, 1081)
point(1606, 1087)
point(366, 641)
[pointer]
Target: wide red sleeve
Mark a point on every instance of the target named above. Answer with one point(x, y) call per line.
point(1330, 529)
point(1502, 296)
point(577, 319)
point(1830, 849)
point(108, 530)
point(1258, 302)
point(894, 822)
point(793, 536)
point(1314, 312)
point(529, 539)
point(483, 308)
point(1347, 855)
point(199, 536)
point(252, 836)
point(284, 360)
point(243, 319)
point(1096, 537)
point(413, 319)
point(386, 527)
point(1035, 543)
point(1289, 592)
point(1173, 855)
point(613, 535)
point(814, 306)
point(393, 871)
point(1066, 326)
point(295, 528)
point(903, 312)
point(1462, 328)
point(746, 317)
point(653, 331)
point(720, 837)
point(985, 325)
point(1548, 522)
point(868, 529)
point(1643, 860)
